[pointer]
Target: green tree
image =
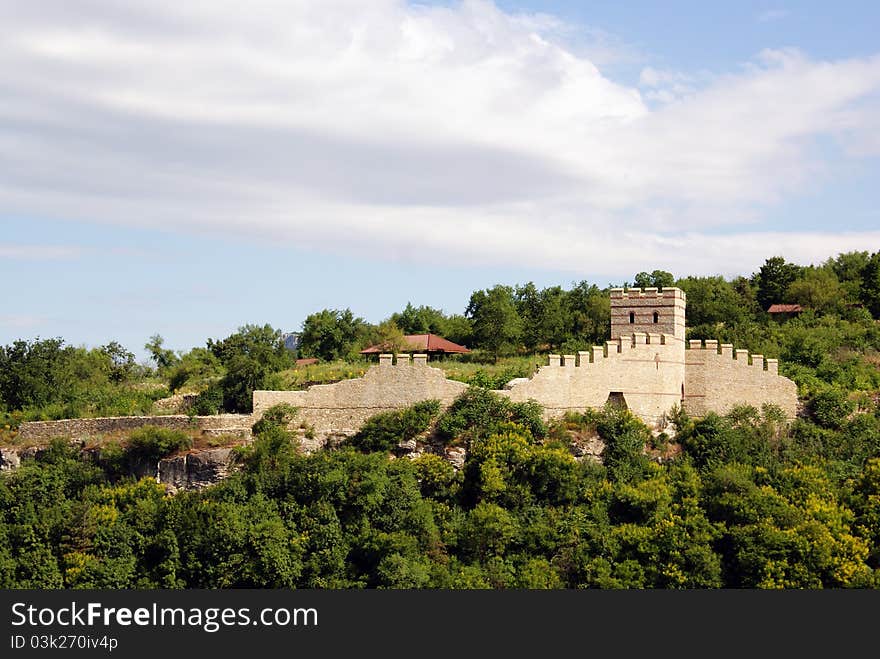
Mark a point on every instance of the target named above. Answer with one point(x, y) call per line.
point(589, 314)
point(163, 357)
point(817, 289)
point(773, 280)
point(390, 337)
point(29, 370)
point(656, 279)
point(249, 356)
point(712, 302)
point(121, 361)
point(849, 266)
point(195, 369)
point(420, 320)
point(869, 292)
point(497, 325)
point(331, 334)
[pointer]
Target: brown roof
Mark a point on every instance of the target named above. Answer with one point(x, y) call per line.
point(423, 343)
point(784, 308)
point(308, 361)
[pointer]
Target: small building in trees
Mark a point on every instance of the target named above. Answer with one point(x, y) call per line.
point(429, 344)
point(784, 311)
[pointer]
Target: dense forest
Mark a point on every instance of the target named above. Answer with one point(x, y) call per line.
point(748, 499)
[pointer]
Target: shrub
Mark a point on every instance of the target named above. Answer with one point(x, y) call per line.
point(831, 407)
point(479, 413)
point(384, 431)
point(625, 437)
point(279, 415)
point(154, 443)
point(208, 402)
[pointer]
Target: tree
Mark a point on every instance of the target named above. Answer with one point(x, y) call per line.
point(773, 280)
point(389, 336)
point(711, 301)
point(590, 314)
point(261, 343)
point(849, 267)
point(657, 279)
point(163, 357)
point(331, 334)
point(496, 322)
point(869, 292)
point(459, 329)
point(528, 306)
point(249, 356)
point(420, 320)
point(555, 320)
point(122, 362)
point(818, 289)
point(28, 372)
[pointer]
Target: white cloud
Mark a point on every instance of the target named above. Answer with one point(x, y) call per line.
point(459, 133)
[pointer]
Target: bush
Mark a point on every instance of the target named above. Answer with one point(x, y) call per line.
point(625, 437)
point(154, 443)
point(208, 402)
point(384, 431)
point(831, 407)
point(478, 413)
point(279, 415)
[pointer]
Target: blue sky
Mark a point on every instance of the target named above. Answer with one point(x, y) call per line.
point(187, 170)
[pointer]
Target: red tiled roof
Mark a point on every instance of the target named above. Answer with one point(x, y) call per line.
point(784, 308)
point(422, 343)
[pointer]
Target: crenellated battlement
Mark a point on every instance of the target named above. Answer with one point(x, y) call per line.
point(417, 359)
point(720, 377)
point(646, 363)
point(612, 348)
point(647, 293)
point(739, 357)
point(648, 310)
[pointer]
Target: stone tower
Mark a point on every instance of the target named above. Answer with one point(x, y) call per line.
point(650, 311)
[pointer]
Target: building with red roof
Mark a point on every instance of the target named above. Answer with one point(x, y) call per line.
point(430, 344)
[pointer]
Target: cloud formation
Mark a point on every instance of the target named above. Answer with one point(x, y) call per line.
point(476, 134)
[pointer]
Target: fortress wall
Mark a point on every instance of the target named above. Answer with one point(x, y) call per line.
point(647, 370)
point(345, 406)
point(220, 424)
point(718, 378)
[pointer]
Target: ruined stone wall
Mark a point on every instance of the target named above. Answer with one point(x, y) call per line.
point(646, 369)
point(220, 424)
point(717, 380)
point(343, 407)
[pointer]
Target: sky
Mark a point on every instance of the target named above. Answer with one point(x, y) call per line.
point(187, 168)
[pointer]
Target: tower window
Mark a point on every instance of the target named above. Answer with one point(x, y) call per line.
point(656, 316)
point(632, 316)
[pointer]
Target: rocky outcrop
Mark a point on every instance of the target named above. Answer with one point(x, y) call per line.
point(9, 459)
point(188, 471)
point(195, 470)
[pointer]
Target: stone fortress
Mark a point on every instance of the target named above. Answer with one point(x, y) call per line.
point(646, 365)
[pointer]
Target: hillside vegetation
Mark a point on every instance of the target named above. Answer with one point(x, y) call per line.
point(743, 500)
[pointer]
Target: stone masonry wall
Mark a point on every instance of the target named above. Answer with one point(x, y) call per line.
point(343, 407)
point(220, 424)
point(718, 380)
point(669, 304)
point(644, 368)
